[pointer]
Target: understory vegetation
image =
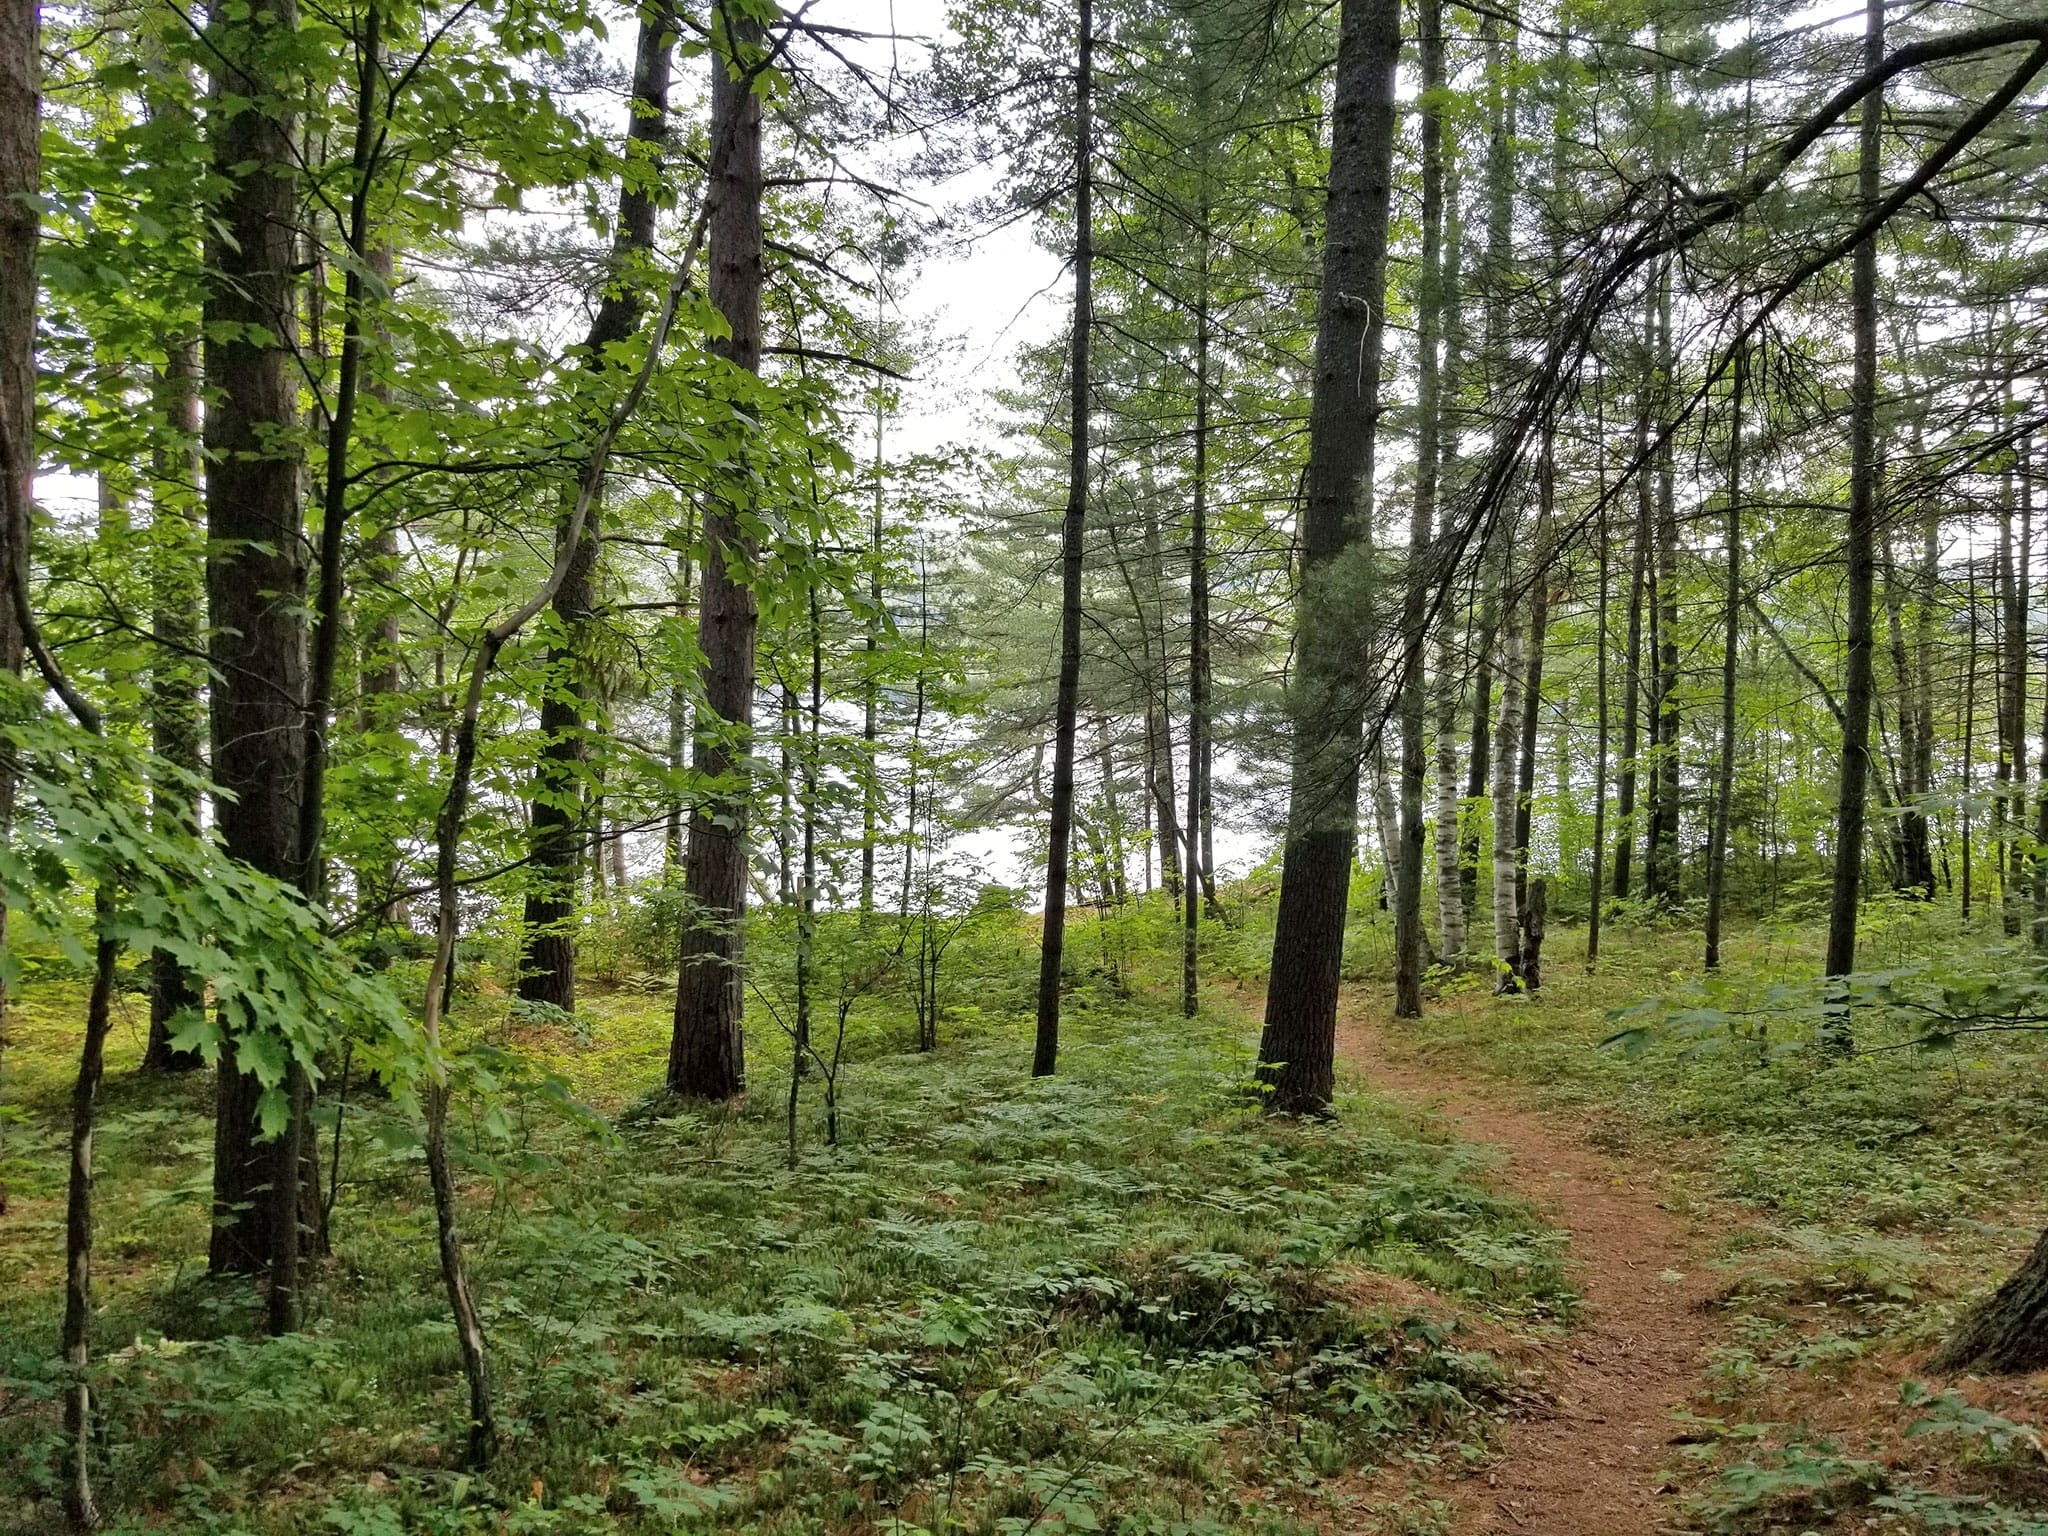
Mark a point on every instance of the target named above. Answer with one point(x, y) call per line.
point(1118, 1299)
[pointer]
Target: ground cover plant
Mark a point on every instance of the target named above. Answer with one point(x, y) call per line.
point(1121, 1299)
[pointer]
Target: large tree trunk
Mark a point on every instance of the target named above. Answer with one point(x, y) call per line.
point(706, 1057)
point(1861, 549)
point(1060, 821)
point(256, 574)
point(20, 231)
point(1408, 935)
point(547, 970)
point(1297, 1050)
point(2008, 1333)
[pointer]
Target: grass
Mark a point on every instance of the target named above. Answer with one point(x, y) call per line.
point(1118, 1299)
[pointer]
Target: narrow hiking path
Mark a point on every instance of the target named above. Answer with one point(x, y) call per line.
point(1588, 1462)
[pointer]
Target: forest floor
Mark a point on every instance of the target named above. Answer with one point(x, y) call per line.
point(1593, 1457)
point(1517, 1285)
point(1766, 1245)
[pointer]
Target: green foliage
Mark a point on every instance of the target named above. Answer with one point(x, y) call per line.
point(1118, 1299)
point(284, 991)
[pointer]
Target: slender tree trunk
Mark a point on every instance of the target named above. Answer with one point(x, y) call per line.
point(330, 595)
point(1114, 851)
point(807, 909)
point(1409, 942)
point(706, 1055)
point(1159, 724)
point(80, 1510)
point(1632, 678)
point(1297, 1050)
point(1861, 549)
point(871, 684)
point(1600, 646)
point(1532, 686)
point(1664, 852)
point(1731, 642)
point(1198, 649)
point(679, 704)
point(547, 969)
point(256, 574)
point(1967, 832)
point(2018, 601)
point(1507, 742)
point(1453, 898)
point(1059, 832)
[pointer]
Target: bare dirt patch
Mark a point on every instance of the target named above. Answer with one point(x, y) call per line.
point(1589, 1461)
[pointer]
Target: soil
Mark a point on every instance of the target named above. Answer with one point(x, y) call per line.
point(1590, 1460)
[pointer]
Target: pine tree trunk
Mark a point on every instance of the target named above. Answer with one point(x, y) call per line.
point(256, 574)
point(1073, 527)
point(1298, 1047)
point(1632, 678)
point(1197, 870)
point(2008, 1333)
point(1731, 639)
point(547, 969)
point(1861, 549)
point(1409, 940)
point(706, 1053)
point(20, 233)
point(1600, 644)
point(2019, 598)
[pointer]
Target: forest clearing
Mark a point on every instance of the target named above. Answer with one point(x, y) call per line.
point(1169, 767)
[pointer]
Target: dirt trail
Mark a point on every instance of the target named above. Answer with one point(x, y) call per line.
point(1588, 1463)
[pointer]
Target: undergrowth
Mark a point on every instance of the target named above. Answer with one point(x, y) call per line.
point(1117, 1299)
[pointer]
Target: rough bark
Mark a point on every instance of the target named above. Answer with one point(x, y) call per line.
point(1297, 1050)
point(2008, 1333)
point(706, 1058)
point(256, 575)
point(20, 231)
